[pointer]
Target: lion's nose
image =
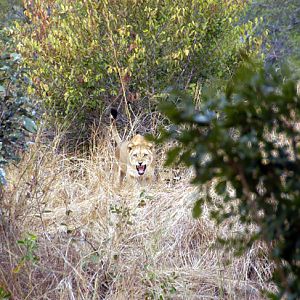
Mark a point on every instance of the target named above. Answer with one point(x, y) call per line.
point(140, 163)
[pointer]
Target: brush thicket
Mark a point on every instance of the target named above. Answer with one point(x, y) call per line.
point(98, 241)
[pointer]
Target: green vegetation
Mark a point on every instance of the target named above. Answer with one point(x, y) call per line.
point(31, 246)
point(7, 8)
point(282, 21)
point(4, 295)
point(85, 55)
point(16, 116)
point(16, 109)
point(247, 141)
point(79, 58)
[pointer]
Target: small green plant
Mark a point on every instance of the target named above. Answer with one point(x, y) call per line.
point(124, 214)
point(4, 295)
point(144, 197)
point(247, 141)
point(161, 287)
point(30, 245)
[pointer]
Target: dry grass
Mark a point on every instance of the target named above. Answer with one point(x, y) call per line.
point(96, 241)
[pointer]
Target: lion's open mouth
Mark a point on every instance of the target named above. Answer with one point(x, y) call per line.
point(141, 169)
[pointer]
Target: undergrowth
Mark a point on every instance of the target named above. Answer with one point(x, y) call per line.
point(68, 232)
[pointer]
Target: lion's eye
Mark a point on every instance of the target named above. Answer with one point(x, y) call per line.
point(145, 154)
point(134, 155)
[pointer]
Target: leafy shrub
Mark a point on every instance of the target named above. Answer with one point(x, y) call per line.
point(30, 245)
point(248, 140)
point(283, 26)
point(7, 8)
point(16, 111)
point(84, 55)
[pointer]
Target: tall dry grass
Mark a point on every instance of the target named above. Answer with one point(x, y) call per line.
point(97, 241)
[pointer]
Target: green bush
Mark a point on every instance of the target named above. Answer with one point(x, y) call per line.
point(16, 110)
point(283, 26)
point(7, 9)
point(248, 140)
point(84, 55)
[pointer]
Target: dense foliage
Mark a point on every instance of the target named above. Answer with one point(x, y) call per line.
point(7, 9)
point(84, 55)
point(248, 141)
point(283, 24)
point(16, 110)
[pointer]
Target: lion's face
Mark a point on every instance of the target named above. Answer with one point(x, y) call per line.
point(140, 154)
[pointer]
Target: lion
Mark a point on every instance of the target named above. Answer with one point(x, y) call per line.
point(135, 158)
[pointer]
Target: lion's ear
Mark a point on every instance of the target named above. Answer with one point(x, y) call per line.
point(130, 146)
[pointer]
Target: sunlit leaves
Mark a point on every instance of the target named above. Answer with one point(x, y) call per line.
point(88, 53)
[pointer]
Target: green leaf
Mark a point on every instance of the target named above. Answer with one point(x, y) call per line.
point(4, 295)
point(29, 125)
point(197, 209)
point(201, 119)
point(2, 89)
point(15, 56)
point(142, 194)
point(4, 68)
point(172, 155)
point(221, 187)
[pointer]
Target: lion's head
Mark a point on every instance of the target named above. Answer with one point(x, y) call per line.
point(140, 154)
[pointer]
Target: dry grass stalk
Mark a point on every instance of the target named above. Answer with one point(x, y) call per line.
point(96, 241)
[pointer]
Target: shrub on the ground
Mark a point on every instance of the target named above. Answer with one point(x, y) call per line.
point(283, 25)
point(7, 9)
point(85, 55)
point(16, 110)
point(249, 140)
